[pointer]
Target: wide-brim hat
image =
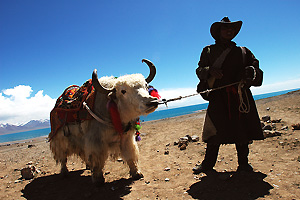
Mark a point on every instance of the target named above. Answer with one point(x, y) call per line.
point(215, 27)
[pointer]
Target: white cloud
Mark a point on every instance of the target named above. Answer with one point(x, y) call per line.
point(17, 106)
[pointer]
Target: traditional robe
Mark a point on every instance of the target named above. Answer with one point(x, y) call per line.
point(224, 123)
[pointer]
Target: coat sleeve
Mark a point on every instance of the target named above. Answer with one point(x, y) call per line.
point(203, 65)
point(252, 62)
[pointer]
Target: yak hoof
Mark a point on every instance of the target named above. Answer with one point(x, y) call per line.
point(64, 172)
point(98, 180)
point(137, 176)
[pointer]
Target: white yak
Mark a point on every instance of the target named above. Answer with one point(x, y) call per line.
point(94, 140)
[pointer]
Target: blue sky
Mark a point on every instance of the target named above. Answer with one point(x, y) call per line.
point(46, 46)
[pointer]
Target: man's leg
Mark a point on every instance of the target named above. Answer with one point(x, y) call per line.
point(210, 159)
point(242, 153)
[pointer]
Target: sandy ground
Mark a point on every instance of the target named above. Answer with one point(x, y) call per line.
point(167, 169)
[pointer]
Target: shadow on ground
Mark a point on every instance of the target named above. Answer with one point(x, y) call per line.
point(74, 187)
point(230, 185)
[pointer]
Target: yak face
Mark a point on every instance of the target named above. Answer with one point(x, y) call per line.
point(130, 93)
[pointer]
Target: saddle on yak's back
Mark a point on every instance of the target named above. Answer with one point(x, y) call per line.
point(69, 108)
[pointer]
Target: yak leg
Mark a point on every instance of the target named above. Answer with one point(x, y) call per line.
point(134, 171)
point(64, 170)
point(97, 176)
point(96, 163)
point(130, 153)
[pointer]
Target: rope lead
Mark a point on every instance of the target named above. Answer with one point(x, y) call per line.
point(243, 107)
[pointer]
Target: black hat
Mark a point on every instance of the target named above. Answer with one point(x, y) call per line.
point(215, 27)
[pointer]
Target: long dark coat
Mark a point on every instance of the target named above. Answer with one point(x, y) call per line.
point(224, 123)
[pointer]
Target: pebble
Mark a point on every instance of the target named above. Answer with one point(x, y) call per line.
point(27, 173)
point(266, 118)
point(167, 169)
point(29, 163)
point(167, 179)
point(195, 138)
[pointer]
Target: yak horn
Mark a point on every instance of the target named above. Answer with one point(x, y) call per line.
point(97, 85)
point(152, 70)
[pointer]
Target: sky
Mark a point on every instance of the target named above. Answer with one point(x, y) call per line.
point(45, 46)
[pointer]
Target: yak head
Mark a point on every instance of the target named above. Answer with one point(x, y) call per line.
point(129, 92)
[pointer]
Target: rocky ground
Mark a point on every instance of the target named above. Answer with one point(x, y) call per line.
point(167, 168)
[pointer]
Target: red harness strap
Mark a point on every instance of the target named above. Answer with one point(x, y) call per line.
point(115, 116)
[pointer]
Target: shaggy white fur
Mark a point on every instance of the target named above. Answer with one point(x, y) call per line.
point(131, 80)
point(94, 141)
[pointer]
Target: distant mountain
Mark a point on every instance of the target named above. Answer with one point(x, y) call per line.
point(31, 125)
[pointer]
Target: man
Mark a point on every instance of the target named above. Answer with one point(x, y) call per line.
point(231, 116)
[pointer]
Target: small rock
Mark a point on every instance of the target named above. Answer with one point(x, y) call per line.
point(268, 108)
point(27, 173)
point(189, 138)
point(167, 144)
point(195, 138)
point(267, 127)
point(167, 169)
point(183, 146)
point(276, 120)
point(296, 126)
point(183, 139)
point(167, 179)
point(120, 160)
point(284, 128)
point(266, 118)
point(29, 163)
point(268, 133)
point(166, 152)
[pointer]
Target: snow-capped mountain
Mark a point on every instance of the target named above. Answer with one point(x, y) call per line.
point(31, 125)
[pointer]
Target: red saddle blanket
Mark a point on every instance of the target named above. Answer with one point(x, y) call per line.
point(69, 108)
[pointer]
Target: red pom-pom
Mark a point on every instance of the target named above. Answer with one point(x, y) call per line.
point(154, 93)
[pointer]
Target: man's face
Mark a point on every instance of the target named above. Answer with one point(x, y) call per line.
point(227, 32)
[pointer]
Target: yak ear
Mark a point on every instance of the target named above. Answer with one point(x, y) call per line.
point(97, 85)
point(152, 70)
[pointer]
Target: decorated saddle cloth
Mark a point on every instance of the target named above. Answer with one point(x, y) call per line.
point(69, 108)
